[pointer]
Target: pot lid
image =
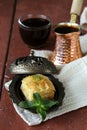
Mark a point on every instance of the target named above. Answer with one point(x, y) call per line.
point(32, 65)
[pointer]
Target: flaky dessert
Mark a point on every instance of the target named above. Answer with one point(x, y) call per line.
point(37, 83)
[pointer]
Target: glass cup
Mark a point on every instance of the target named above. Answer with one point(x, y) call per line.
point(34, 29)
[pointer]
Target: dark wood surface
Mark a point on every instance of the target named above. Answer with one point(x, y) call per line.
point(12, 47)
point(6, 12)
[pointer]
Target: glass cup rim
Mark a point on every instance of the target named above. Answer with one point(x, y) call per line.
point(21, 18)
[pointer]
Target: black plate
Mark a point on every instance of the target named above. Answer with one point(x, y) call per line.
point(17, 95)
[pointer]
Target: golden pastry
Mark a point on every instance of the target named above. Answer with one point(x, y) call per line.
point(37, 83)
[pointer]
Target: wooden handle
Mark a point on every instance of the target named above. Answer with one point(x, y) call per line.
point(76, 7)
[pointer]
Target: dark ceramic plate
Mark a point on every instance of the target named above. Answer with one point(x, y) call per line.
point(17, 95)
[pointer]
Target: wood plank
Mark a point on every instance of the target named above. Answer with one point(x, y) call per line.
point(6, 11)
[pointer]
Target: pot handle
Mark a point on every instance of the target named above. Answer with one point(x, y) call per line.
point(75, 9)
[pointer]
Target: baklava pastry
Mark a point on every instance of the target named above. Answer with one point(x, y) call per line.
point(37, 83)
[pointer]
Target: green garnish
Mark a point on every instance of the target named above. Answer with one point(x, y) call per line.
point(40, 105)
point(36, 77)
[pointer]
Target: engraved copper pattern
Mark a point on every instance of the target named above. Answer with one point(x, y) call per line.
point(67, 48)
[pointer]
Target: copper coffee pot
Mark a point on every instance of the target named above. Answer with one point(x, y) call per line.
point(67, 46)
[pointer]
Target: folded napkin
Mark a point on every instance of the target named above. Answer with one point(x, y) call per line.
point(73, 76)
point(83, 44)
point(83, 19)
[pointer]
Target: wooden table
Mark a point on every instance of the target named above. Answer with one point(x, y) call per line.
point(12, 47)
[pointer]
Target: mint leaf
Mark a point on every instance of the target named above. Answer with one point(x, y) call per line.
point(27, 104)
point(37, 97)
point(41, 112)
point(40, 105)
point(49, 103)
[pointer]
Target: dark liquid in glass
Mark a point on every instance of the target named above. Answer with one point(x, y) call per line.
point(35, 22)
point(36, 31)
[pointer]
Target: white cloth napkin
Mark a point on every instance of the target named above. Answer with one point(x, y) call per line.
point(83, 19)
point(83, 25)
point(83, 44)
point(74, 78)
